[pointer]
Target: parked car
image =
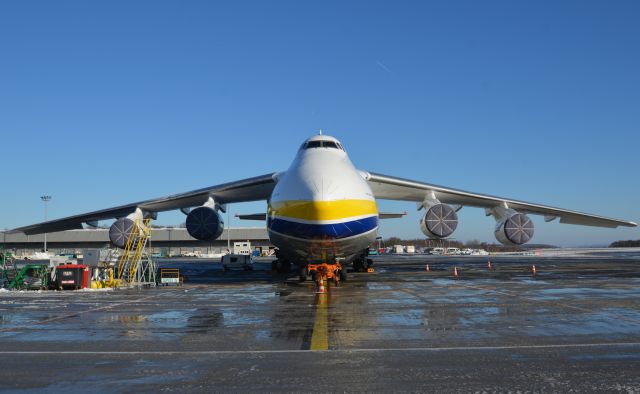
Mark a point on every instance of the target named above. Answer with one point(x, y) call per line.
point(437, 251)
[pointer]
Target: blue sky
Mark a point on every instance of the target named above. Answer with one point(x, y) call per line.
point(104, 103)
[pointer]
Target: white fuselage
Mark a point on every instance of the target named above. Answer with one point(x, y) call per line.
point(321, 208)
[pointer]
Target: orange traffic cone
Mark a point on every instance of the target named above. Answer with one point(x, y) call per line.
point(533, 269)
point(427, 268)
point(455, 273)
point(489, 267)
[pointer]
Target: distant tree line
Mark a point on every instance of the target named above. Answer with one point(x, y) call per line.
point(625, 244)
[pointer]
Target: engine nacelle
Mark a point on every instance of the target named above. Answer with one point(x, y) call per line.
point(440, 221)
point(121, 230)
point(516, 229)
point(204, 223)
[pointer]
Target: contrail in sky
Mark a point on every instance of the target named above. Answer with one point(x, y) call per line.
point(385, 68)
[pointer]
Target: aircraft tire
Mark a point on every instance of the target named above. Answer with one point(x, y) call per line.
point(303, 274)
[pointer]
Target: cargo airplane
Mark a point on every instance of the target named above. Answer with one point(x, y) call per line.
point(323, 210)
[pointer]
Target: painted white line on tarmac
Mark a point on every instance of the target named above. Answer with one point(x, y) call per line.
point(369, 350)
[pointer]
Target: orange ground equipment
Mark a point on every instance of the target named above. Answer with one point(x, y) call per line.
point(326, 271)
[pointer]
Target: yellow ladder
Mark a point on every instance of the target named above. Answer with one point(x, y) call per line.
point(129, 261)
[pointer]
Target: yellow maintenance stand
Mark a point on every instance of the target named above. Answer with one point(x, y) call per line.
point(135, 267)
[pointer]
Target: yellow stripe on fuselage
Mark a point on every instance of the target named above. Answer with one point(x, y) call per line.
point(322, 210)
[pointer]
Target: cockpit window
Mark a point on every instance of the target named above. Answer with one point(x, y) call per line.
point(321, 144)
point(330, 144)
point(313, 144)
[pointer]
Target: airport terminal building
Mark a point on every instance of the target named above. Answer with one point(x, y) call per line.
point(167, 241)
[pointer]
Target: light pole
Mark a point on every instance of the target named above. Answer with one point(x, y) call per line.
point(228, 231)
point(45, 199)
point(169, 252)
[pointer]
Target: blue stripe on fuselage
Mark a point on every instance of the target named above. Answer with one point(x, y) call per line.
point(322, 231)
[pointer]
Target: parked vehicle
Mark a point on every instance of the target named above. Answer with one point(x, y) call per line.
point(436, 251)
point(237, 261)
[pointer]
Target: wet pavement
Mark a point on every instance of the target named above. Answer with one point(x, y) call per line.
point(574, 326)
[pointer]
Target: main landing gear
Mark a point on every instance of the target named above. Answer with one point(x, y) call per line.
point(363, 263)
point(281, 266)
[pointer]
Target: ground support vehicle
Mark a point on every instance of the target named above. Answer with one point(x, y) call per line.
point(237, 261)
point(325, 271)
point(170, 276)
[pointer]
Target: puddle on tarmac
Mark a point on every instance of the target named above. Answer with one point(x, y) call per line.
point(476, 315)
point(529, 281)
point(234, 318)
point(584, 292)
point(377, 286)
point(609, 356)
point(170, 319)
point(411, 317)
point(22, 319)
point(397, 297)
point(254, 294)
point(610, 322)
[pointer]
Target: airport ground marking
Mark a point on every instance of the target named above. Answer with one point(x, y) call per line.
point(98, 353)
point(320, 334)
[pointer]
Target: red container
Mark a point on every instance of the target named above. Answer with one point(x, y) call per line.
point(72, 276)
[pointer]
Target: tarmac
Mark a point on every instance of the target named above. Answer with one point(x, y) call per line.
point(573, 327)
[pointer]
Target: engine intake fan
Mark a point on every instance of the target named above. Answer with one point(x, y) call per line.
point(440, 221)
point(204, 223)
point(121, 230)
point(517, 229)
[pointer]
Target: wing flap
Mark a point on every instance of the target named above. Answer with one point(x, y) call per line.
point(252, 216)
point(391, 215)
point(251, 189)
point(392, 188)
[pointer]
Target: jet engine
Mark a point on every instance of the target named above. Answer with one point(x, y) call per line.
point(121, 230)
point(516, 229)
point(440, 221)
point(204, 223)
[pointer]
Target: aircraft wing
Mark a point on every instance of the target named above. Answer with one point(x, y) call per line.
point(251, 189)
point(391, 188)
